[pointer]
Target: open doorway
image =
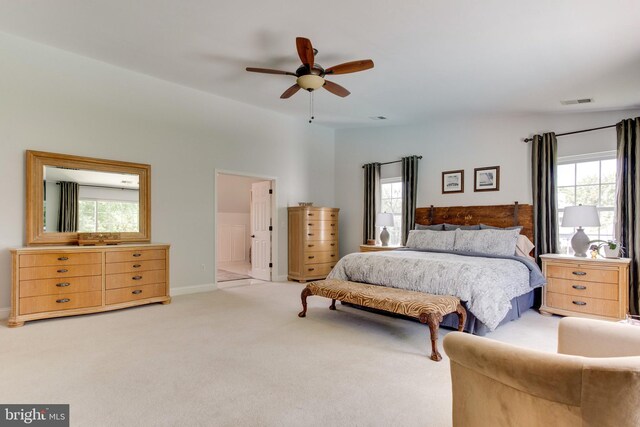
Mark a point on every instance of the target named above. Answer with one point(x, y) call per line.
point(244, 228)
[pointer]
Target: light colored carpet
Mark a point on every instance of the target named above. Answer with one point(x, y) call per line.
point(239, 357)
point(227, 276)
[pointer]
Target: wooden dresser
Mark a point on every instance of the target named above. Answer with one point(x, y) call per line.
point(585, 287)
point(378, 248)
point(70, 280)
point(313, 242)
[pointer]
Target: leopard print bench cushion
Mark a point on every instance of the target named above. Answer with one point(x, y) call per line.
point(400, 301)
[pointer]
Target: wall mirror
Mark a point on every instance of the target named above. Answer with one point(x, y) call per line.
point(71, 194)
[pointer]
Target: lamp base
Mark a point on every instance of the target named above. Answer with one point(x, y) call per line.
point(384, 237)
point(580, 243)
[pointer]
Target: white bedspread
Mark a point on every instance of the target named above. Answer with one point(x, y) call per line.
point(486, 284)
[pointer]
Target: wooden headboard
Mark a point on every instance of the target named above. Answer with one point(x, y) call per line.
point(495, 215)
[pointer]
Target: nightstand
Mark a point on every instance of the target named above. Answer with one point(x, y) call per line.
point(377, 248)
point(585, 287)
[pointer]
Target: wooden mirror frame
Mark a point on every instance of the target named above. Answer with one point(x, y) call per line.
point(37, 160)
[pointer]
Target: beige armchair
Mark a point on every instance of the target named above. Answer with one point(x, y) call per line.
point(593, 381)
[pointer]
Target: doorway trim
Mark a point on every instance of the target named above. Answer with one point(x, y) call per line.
point(274, 215)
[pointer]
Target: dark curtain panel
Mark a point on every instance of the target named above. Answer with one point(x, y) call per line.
point(627, 195)
point(371, 198)
point(409, 189)
point(545, 210)
point(68, 218)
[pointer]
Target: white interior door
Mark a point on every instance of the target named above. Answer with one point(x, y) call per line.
point(261, 230)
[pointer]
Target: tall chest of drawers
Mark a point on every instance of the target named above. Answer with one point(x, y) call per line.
point(313, 242)
point(66, 281)
point(585, 287)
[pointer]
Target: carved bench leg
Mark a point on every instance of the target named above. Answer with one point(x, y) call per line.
point(462, 317)
point(305, 293)
point(433, 320)
point(333, 305)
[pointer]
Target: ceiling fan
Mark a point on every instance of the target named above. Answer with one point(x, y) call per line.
point(311, 76)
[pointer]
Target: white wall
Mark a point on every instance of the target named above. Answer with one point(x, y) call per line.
point(458, 143)
point(234, 193)
point(56, 101)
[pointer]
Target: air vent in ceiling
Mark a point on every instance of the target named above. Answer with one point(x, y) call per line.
point(577, 101)
point(378, 118)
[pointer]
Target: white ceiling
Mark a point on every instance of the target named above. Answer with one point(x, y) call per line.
point(431, 57)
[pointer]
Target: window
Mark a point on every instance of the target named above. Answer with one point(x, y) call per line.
point(587, 180)
point(391, 202)
point(107, 216)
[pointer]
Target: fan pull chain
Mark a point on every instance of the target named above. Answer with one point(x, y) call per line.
point(311, 107)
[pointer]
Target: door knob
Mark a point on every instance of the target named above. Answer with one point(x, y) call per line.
point(253, 236)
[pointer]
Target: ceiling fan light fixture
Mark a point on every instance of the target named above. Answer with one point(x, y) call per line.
point(310, 82)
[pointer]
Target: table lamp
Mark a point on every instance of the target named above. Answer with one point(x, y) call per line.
point(384, 220)
point(580, 216)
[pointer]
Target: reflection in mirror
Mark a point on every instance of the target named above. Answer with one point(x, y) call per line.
point(78, 200)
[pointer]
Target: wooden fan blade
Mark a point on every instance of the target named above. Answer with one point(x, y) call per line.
point(287, 93)
point(268, 71)
point(335, 89)
point(305, 51)
point(350, 67)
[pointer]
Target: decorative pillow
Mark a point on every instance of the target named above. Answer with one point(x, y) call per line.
point(492, 242)
point(491, 227)
point(429, 239)
point(434, 227)
point(524, 246)
point(450, 227)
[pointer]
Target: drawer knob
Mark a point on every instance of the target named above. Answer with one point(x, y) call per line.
point(63, 270)
point(311, 257)
point(579, 287)
point(333, 215)
point(333, 234)
point(137, 265)
point(137, 255)
point(137, 277)
point(310, 234)
point(333, 244)
point(137, 291)
point(310, 246)
point(63, 258)
point(579, 273)
point(333, 254)
point(311, 269)
point(579, 302)
point(309, 214)
point(63, 300)
point(63, 285)
point(310, 224)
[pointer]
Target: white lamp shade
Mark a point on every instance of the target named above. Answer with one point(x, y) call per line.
point(580, 216)
point(384, 219)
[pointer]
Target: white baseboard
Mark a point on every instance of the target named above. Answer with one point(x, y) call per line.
point(186, 290)
point(4, 312)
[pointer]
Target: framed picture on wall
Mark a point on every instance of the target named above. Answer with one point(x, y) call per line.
point(486, 179)
point(453, 182)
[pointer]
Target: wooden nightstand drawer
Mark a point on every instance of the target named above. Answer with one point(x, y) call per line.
point(60, 302)
point(582, 273)
point(50, 272)
point(321, 246)
point(40, 260)
point(320, 257)
point(32, 288)
point(599, 307)
point(319, 269)
point(135, 255)
point(583, 289)
point(321, 214)
point(134, 293)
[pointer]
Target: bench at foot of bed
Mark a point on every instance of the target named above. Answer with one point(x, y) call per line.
point(429, 309)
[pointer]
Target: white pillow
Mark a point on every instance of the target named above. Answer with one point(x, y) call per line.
point(524, 246)
point(429, 239)
point(492, 242)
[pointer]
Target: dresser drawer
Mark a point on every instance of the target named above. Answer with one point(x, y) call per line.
point(583, 289)
point(320, 234)
point(136, 278)
point(584, 274)
point(135, 255)
point(321, 225)
point(40, 260)
point(318, 269)
point(44, 303)
point(34, 273)
point(321, 215)
point(134, 293)
point(321, 246)
point(32, 288)
point(320, 257)
point(599, 307)
point(131, 266)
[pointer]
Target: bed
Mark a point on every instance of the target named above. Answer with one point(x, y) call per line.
point(495, 287)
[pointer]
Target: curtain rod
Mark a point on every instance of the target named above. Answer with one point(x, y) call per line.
point(104, 186)
point(395, 161)
point(576, 131)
